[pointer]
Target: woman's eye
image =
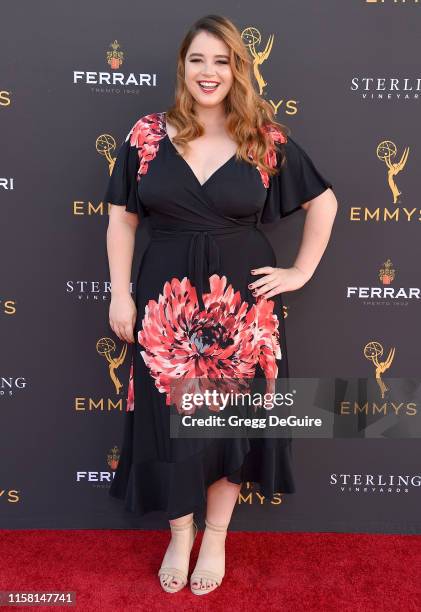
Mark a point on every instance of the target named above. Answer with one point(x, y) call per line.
point(217, 61)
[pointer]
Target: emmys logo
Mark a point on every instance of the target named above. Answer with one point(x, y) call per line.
point(11, 496)
point(105, 145)
point(252, 39)
point(375, 483)
point(115, 57)
point(393, 408)
point(5, 98)
point(7, 307)
point(385, 295)
point(251, 497)
point(372, 351)
point(106, 346)
point(386, 152)
point(114, 82)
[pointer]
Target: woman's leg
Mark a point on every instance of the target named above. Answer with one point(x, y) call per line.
point(178, 551)
point(221, 498)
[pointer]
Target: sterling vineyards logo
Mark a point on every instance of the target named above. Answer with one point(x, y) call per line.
point(375, 483)
point(93, 290)
point(386, 88)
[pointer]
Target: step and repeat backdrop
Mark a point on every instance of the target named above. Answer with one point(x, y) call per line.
point(74, 77)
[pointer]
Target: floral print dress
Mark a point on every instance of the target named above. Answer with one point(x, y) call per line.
point(197, 320)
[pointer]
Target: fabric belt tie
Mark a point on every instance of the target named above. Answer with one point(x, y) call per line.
point(204, 258)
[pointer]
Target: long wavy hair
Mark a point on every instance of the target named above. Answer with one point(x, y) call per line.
point(246, 112)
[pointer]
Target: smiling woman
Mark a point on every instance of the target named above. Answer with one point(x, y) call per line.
point(204, 173)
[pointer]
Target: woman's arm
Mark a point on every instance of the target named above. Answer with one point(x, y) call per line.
point(320, 215)
point(121, 234)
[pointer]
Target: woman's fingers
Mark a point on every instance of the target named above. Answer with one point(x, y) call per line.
point(275, 291)
point(124, 331)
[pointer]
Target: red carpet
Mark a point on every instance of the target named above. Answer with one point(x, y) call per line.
point(116, 570)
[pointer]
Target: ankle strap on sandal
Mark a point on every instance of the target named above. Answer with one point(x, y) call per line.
point(215, 527)
point(181, 527)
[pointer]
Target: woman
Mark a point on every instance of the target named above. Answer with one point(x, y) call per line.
point(207, 293)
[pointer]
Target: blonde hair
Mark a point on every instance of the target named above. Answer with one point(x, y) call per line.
point(247, 113)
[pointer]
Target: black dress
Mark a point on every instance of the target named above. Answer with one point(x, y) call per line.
point(195, 314)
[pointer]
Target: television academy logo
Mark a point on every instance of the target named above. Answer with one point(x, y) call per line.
point(384, 294)
point(375, 483)
point(101, 479)
point(115, 81)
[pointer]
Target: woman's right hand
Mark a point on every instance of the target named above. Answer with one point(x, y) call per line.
point(122, 316)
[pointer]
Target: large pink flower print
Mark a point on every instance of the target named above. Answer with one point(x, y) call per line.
point(145, 136)
point(224, 340)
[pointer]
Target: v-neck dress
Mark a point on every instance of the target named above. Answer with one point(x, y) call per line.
point(196, 316)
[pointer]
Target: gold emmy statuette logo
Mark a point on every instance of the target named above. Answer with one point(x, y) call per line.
point(386, 151)
point(106, 346)
point(115, 57)
point(387, 274)
point(372, 351)
point(113, 457)
point(105, 145)
point(252, 37)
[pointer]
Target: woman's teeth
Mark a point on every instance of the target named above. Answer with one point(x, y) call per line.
point(208, 86)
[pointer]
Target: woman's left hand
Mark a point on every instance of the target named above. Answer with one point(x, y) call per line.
point(277, 280)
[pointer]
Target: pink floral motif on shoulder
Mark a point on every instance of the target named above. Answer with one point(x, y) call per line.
point(145, 136)
point(271, 159)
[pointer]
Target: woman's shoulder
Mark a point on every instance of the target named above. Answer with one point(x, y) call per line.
point(147, 129)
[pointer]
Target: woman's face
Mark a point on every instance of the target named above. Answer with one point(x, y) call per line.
point(208, 73)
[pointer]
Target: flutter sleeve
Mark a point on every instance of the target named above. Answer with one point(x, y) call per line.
point(298, 181)
point(122, 187)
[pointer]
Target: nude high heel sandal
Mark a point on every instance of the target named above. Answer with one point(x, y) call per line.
point(203, 574)
point(174, 572)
